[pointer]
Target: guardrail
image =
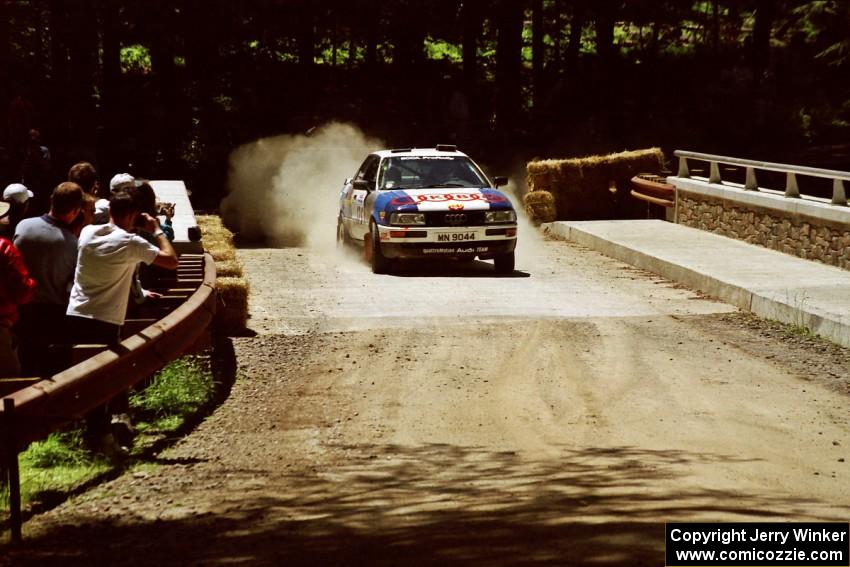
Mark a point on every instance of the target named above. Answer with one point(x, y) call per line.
point(31, 413)
point(839, 195)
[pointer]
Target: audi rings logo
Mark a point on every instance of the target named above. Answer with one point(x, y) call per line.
point(455, 218)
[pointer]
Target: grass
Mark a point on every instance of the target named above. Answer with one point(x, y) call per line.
point(56, 467)
point(176, 394)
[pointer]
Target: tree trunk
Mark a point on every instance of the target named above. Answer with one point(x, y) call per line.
point(761, 38)
point(58, 70)
point(110, 100)
point(605, 15)
point(471, 22)
point(715, 27)
point(508, 64)
point(307, 36)
point(162, 62)
point(409, 35)
point(83, 51)
point(5, 51)
point(574, 44)
point(371, 48)
point(537, 53)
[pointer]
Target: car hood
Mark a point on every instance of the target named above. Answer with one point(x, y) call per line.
point(442, 199)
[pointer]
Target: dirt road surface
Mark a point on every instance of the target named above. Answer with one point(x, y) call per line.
point(447, 416)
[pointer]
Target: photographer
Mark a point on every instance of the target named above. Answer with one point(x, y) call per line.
point(108, 256)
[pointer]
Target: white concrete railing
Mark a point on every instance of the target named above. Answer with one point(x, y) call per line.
point(839, 196)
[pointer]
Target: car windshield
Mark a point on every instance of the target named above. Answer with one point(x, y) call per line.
point(416, 172)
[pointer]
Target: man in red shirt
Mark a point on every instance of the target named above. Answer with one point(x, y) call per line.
point(16, 287)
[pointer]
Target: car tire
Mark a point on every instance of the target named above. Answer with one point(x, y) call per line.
point(380, 263)
point(504, 263)
point(342, 238)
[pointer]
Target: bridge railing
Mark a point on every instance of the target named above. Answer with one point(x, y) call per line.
point(838, 178)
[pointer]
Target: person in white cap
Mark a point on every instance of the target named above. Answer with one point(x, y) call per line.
point(18, 197)
point(118, 182)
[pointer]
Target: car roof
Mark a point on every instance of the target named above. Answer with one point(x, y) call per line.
point(443, 151)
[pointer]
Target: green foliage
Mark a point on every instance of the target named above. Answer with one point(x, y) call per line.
point(180, 389)
point(53, 466)
point(135, 59)
point(443, 50)
point(59, 449)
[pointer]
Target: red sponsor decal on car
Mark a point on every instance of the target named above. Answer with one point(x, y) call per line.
point(450, 197)
point(403, 200)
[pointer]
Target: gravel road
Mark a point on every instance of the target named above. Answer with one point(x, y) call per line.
point(444, 415)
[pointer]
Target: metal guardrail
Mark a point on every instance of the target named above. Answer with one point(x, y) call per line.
point(839, 195)
point(33, 412)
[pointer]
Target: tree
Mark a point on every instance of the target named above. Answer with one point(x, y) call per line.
point(508, 63)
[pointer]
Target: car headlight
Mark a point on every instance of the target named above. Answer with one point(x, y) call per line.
point(500, 216)
point(407, 218)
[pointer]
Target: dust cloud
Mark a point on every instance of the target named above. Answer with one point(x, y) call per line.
point(285, 189)
point(530, 246)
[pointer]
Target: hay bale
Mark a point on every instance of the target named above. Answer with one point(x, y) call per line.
point(232, 314)
point(540, 206)
point(581, 186)
point(228, 269)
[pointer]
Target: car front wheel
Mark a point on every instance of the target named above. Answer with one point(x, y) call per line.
point(342, 238)
point(372, 248)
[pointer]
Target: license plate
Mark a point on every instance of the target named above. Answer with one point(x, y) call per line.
point(455, 236)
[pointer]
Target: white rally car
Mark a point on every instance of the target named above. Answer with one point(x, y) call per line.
point(426, 203)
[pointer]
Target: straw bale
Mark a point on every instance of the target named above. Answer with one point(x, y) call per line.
point(228, 268)
point(232, 314)
point(540, 206)
point(581, 186)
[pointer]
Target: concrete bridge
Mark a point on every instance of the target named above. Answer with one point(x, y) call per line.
point(776, 252)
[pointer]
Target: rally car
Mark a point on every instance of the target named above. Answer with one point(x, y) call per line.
point(426, 203)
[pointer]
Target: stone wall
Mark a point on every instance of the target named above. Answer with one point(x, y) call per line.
point(800, 233)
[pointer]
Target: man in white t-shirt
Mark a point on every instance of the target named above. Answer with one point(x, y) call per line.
point(108, 255)
point(107, 258)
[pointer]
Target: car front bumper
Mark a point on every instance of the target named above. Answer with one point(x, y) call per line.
point(448, 242)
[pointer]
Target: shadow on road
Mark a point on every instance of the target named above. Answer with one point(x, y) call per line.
point(427, 505)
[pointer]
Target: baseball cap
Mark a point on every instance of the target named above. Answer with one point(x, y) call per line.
point(17, 192)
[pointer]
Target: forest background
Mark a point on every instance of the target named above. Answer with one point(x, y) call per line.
point(167, 89)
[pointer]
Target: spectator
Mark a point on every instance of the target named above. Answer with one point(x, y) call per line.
point(106, 260)
point(86, 216)
point(118, 182)
point(49, 248)
point(85, 175)
point(145, 198)
point(18, 197)
point(16, 288)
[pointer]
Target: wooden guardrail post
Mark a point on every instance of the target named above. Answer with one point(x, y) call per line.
point(10, 444)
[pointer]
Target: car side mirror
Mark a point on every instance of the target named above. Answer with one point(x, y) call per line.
point(362, 185)
point(500, 180)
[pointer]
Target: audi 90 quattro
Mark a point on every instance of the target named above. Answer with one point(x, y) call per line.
point(426, 203)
